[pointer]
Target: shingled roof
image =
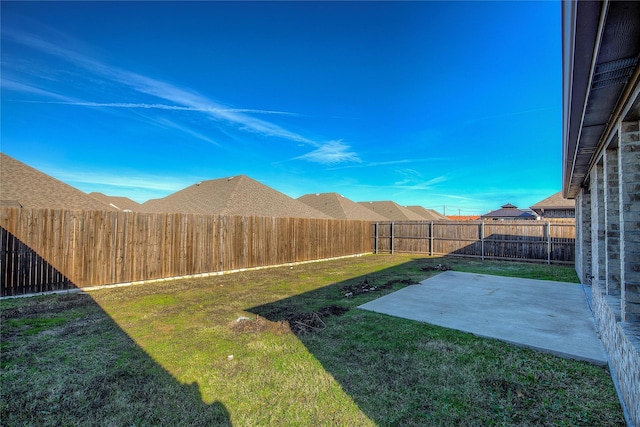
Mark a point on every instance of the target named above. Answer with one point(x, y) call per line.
point(120, 203)
point(428, 214)
point(22, 185)
point(510, 211)
point(555, 201)
point(236, 195)
point(392, 211)
point(339, 207)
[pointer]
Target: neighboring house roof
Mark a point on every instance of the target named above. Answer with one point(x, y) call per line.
point(120, 203)
point(555, 201)
point(22, 185)
point(339, 207)
point(510, 211)
point(429, 214)
point(392, 211)
point(236, 195)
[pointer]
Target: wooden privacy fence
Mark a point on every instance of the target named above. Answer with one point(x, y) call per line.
point(46, 249)
point(23, 271)
point(90, 248)
point(539, 241)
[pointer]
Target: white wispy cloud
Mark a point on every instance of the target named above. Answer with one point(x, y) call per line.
point(138, 187)
point(192, 100)
point(331, 153)
point(177, 98)
point(391, 163)
point(12, 85)
point(146, 106)
point(410, 185)
point(122, 183)
point(458, 197)
point(409, 176)
point(420, 186)
point(171, 124)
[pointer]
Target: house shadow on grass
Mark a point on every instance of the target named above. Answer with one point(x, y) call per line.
point(66, 362)
point(367, 353)
point(402, 372)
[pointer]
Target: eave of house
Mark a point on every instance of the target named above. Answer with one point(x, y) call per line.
point(600, 80)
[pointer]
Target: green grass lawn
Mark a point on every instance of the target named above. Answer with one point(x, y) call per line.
point(281, 346)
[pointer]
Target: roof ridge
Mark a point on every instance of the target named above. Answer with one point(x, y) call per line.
point(234, 191)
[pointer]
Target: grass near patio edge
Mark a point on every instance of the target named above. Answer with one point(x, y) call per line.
point(171, 353)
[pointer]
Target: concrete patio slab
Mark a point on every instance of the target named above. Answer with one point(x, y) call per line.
point(550, 316)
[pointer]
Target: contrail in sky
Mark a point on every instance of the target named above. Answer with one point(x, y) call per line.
point(163, 107)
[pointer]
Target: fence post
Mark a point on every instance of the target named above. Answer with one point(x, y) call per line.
point(431, 238)
point(391, 237)
point(376, 236)
point(482, 238)
point(548, 227)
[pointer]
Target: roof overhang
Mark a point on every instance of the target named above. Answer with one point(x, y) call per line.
point(600, 81)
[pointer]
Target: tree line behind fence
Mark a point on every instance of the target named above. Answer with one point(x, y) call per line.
point(48, 249)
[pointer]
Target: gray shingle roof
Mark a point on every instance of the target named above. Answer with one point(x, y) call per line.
point(339, 207)
point(510, 211)
point(429, 214)
point(120, 203)
point(23, 185)
point(392, 211)
point(555, 201)
point(238, 195)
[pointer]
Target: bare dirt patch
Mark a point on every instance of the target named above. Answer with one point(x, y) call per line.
point(291, 321)
point(365, 287)
point(439, 267)
point(258, 324)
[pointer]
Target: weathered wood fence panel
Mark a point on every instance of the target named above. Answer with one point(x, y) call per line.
point(23, 271)
point(539, 241)
point(90, 248)
point(46, 249)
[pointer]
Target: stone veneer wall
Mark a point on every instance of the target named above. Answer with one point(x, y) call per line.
point(583, 236)
point(612, 222)
point(629, 187)
point(624, 354)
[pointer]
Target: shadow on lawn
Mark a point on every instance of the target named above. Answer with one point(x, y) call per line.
point(401, 372)
point(66, 362)
point(365, 354)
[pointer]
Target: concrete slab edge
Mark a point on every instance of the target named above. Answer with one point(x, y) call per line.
point(564, 355)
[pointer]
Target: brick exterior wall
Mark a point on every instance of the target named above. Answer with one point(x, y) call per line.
point(597, 224)
point(583, 236)
point(624, 351)
point(612, 222)
point(608, 257)
point(629, 171)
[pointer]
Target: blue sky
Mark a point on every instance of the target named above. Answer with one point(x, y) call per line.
point(454, 104)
